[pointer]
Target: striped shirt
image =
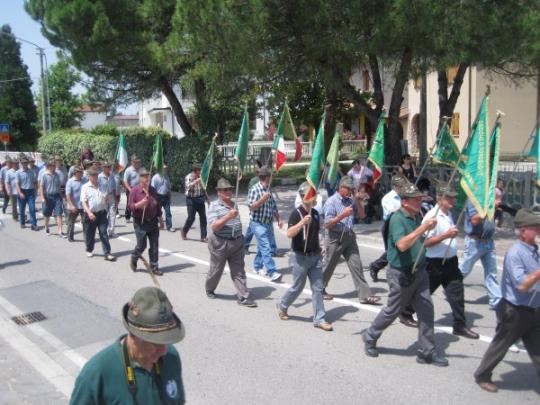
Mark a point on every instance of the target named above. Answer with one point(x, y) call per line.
point(193, 189)
point(218, 209)
point(333, 207)
point(265, 213)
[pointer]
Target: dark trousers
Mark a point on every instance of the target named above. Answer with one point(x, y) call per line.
point(513, 322)
point(6, 202)
point(14, 213)
point(165, 202)
point(30, 199)
point(450, 277)
point(72, 218)
point(195, 205)
point(128, 211)
point(100, 223)
point(143, 230)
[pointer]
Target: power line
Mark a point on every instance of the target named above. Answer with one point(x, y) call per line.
point(14, 80)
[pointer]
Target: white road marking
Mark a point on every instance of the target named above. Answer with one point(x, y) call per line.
point(34, 355)
point(285, 286)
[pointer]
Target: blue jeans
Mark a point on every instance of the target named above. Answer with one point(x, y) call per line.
point(264, 249)
point(30, 199)
point(485, 251)
point(304, 267)
point(165, 202)
point(249, 236)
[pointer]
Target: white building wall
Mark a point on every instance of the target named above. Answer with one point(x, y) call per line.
point(90, 120)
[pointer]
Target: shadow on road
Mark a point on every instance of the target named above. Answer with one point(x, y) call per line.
point(14, 263)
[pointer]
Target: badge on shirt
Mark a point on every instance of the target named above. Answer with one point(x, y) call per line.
point(172, 389)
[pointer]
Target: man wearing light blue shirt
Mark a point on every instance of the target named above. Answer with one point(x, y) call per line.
point(3, 175)
point(479, 245)
point(162, 184)
point(11, 175)
point(25, 182)
point(107, 185)
point(518, 313)
point(73, 197)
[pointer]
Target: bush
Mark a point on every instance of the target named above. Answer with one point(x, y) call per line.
point(177, 153)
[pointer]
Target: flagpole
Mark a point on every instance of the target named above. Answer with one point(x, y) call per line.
point(452, 176)
point(148, 186)
point(310, 206)
point(499, 115)
point(437, 139)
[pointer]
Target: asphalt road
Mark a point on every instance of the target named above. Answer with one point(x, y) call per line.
point(231, 354)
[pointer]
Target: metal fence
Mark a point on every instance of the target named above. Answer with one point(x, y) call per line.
point(261, 150)
point(519, 182)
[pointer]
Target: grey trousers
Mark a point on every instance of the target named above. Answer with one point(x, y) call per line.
point(346, 246)
point(417, 294)
point(512, 323)
point(229, 251)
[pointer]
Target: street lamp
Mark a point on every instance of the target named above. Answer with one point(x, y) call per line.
point(46, 109)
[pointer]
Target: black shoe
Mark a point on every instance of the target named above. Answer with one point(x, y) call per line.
point(23, 226)
point(374, 275)
point(157, 271)
point(467, 333)
point(369, 347)
point(247, 303)
point(432, 358)
point(408, 321)
point(133, 266)
point(34, 228)
point(211, 295)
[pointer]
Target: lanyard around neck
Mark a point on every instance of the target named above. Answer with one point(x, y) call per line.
point(130, 373)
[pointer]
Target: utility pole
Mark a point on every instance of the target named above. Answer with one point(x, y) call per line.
point(48, 97)
point(41, 53)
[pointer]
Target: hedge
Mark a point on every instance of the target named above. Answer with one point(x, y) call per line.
point(178, 153)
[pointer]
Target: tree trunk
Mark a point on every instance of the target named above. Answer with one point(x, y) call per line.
point(391, 142)
point(360, 105)
point(448, 103)
point(177, 109)
point(330, 121)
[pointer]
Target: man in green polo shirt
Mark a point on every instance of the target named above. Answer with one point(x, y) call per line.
point(142, 367)
point(407, 283)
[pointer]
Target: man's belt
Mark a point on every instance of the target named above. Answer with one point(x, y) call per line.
point(478, 238)
point(230, 237)
point(317, 253)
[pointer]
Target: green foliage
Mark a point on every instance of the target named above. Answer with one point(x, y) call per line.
point(16, 101)
point(105, 129)
point(179, 154)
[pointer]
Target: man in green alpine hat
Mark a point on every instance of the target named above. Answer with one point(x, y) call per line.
point(142, 367)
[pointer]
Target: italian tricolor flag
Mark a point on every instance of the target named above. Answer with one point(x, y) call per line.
point(285, 130)
point(121, 155)
point(376, 154)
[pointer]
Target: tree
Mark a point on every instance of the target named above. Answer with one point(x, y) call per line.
point(62, 78)
point(125, 46)
point(16, 102)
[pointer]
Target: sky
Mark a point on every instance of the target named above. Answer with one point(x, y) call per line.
point(23, 26)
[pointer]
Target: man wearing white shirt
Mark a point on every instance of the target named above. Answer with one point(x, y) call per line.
point(391, 202)
point(359, 173)
point(441, 247)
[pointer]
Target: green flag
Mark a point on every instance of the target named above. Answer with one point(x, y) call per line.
point(474, 164)
point(285, 127)
point(494, 168)
point(376, 154)
point(316, 166)
point(243, 139)
point(446, 151)
point(208, 163)
point(157, 158)
point(535, 153)
point(333, 157)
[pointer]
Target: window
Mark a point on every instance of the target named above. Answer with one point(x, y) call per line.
point(451, 75)
point(454, 125)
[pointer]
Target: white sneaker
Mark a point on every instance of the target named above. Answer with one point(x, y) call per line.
point(118, 216)
point(62, 236)
point(89, 254)
point(275, 277)
point(256, 271)
point(47, 232)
